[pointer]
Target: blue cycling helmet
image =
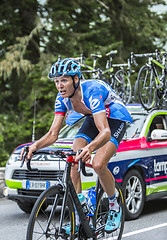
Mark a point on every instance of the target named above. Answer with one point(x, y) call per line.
point(63, 67)
point(66, 66)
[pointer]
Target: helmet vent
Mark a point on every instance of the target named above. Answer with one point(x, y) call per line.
point(69, 66)
point(61, 70)
point(64, 62)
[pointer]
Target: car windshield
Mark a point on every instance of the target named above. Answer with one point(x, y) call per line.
point(71, 131)
point(133, 130)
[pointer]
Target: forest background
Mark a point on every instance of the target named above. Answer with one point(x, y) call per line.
point(33, 34)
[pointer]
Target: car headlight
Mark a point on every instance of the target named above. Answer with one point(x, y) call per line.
point(13, 158)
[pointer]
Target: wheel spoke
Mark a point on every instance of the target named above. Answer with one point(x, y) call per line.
point(133, 205)
point(134, 193)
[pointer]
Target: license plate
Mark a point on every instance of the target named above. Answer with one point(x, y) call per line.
point(42, 185)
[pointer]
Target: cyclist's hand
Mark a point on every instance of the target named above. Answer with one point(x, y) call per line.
point(85, 155)
point(31, 149)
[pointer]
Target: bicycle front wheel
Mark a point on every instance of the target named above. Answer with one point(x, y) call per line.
point(101, 215)
point(146, 87)
point(45, 224)
point(122, 86)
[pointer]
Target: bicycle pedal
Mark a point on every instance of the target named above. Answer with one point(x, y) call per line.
point(63, 234)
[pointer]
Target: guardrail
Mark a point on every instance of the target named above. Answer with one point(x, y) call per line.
point(2, 180)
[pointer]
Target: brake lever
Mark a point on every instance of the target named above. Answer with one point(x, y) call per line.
point(81, 166)
point(28, 161)
point(26, 149)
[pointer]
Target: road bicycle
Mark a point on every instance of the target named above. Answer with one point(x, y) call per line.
point(151, 81)
point(89, 72)
point(133, 61)
point(55, 207)
point(119, 80)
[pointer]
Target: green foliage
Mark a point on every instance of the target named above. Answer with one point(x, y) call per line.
point(17, 18)
point(34, 35)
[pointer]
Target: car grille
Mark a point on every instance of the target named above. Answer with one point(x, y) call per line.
point(40, 175)
point(28, 192)
point(32, 195)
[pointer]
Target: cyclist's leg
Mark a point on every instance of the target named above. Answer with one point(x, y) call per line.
point(100, 165)
point(105, 153)
point(75, 176)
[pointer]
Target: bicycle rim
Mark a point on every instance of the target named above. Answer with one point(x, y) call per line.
point(146, 87)
point(122, 86)
point(44, 224)
point(102, 214)
point(136, 98)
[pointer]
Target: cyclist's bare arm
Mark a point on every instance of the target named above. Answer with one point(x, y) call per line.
point(102, 138)
point(50, 137)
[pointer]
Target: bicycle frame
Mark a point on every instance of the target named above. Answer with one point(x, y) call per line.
point(151, 63)
point(69, 188)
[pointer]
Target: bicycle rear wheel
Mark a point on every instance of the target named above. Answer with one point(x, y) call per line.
point(146, 87)
point(122, 86)
point(101, 215)
point(45, 224)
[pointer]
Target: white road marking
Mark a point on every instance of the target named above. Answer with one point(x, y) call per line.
point(143, 230)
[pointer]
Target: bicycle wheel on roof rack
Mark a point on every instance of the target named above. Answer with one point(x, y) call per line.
point(122, 86)
point(147, 91)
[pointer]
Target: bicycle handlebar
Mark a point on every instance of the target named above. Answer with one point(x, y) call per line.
point(59, 153)
point(140, 55)
point(157, 53)
point(96, 55)
point(120, 65)
point(144, 54)
point(81, 165)
point(111, 52)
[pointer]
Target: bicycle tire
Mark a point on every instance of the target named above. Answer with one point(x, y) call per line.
point(146, 87)
point(101, 215)
point(136, 98)
point(39, 226)
point(122, 86)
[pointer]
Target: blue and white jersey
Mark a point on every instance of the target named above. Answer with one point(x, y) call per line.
point(98, 97)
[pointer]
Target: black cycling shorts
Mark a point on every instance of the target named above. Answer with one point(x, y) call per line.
point(89, 131)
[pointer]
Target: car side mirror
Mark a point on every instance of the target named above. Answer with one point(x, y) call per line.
point(159, 134)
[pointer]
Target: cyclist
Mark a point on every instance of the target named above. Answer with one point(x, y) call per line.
point(102, 130)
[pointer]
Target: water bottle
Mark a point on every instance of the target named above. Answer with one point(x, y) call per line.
point(91, 200)
point(83, 202)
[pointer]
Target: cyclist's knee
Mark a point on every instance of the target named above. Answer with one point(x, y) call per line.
point(99, 167)
point(78, 144)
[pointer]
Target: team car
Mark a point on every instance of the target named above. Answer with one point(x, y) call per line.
point(139, 164)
